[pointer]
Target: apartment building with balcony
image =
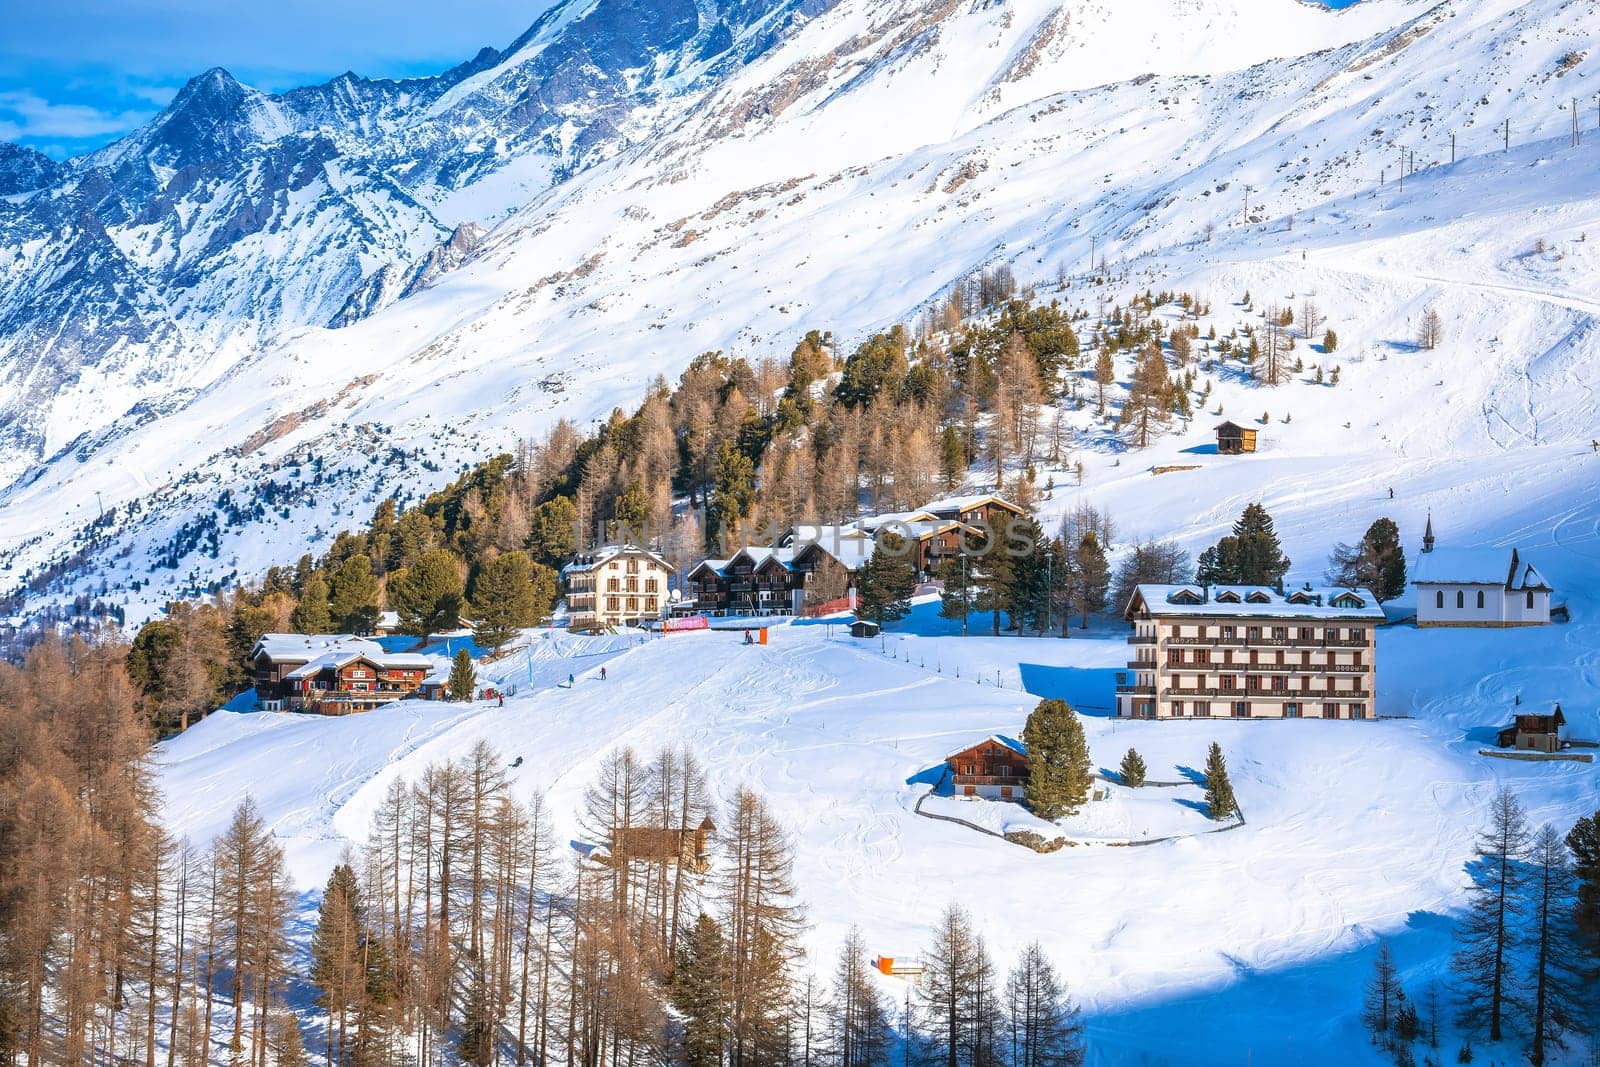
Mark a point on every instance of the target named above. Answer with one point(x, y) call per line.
point(1249, 652)
point(617, 585)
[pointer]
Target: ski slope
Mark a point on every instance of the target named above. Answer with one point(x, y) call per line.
point(1353, 831)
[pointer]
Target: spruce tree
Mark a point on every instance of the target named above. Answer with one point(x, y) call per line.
point(885, 582)
point(1132, 769)
point(427, 594)
point(1059, 771)
point(698, 992)
point(1028, 587)
point(353, 597)
point(1220, 804)
point(1487, 937)
point(957, 597)
point(1091, 578)
point(463, 677)
point(1261, 558)
point(1583, 841)
point(503, 598)
point(311, 615)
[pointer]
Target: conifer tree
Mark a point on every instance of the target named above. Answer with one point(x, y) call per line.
point(1105, 373)
point(859, 1030)
point(463, 683)
point(427, 594)
point(885, 582)
point(1132, 769)
point(1045, 1027)
point(312, 615)
point(1559, 989)
point(1378, 1003)
point(1583, 841)
point(1220, 804)
point(353, 599)
point(503, 598)
point(699, 993)
point(957, 597)
point(338, 945)
point(1091, 578)
point(959, 1005)
point(1250, 555)
point(1059, 771)
point(1487, 937)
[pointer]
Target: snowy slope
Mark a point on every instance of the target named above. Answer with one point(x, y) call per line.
point(843, 177)
point(1353, 831)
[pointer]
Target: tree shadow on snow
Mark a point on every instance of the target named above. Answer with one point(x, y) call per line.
point(1090, 690)
point(1195, 777)
point(1194, 805)
point(1265, 1015)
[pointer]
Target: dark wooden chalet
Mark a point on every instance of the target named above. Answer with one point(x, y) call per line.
point(996, 768)
point(984, 510)
point(1535, 732)
point(1233, 439)
point(331, 674)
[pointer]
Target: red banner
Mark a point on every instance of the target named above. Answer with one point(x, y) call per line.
point(689, 622)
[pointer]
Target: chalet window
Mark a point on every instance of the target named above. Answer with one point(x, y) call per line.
point(1202, 709)
point(1358, 711)
point(633, 566)
point(1241, 709)
point(1228, 597)
point(1438, 599)
point(1258, 597)
point(1461, 598)
point(1530, 599)
point(969, 770)
point(1291, 710)
point(1177, 708)
point(1228, 681)
point(1330, 711)
point(1005, 771)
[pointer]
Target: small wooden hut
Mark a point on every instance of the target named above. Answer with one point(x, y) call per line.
point(1233, 439)
point(687, 847)
point(1535, 732)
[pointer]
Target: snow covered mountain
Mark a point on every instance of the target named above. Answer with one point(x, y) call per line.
point(293, 291)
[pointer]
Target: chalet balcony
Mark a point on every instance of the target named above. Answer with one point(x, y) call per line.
point(989, 779)
point(1141, 639)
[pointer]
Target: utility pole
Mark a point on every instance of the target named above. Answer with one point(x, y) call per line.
point(1452, 148)
point(1577, 138)
point(1247, 191)
point(1093, 240)
point(1508, 135)
point(1402, 170)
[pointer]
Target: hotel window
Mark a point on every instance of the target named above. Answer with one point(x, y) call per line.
point(1202, 709)
point(1227, 633)
point(1279, 683)
point(650, 604)
point(1228, 681)
point(650, 585)
point(1177, 708)
point(1252, 633)
point(1330, 634)
point(1280, 633)
point(611, 603)
point(1202, 655)
point(1358, 711)
point(633, 566)
point(1241, 709)
point(633, 603)
point(1330, 711)
point(1291, 710)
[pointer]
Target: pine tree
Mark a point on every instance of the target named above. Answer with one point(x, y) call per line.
point(1330, 341)
point(1250, 555)
point(733, 494)
point(427, 594)
point(1132, 769)
point(958, 1001)
point(353, 600)
point(463, 682)
point(1105, 373)
point(1091, 578)
point(1559, 988)
point(338, 945)
point(1583, 841)
point(503, 598)
point(1378, 1004)
point(1487, 937)
point(1220, 804)
point(1031, 573)
point(288, 1048)
point(312, 615)
point(1059, 771)
point(885, 582)
point(699, 993)
point(957, 596)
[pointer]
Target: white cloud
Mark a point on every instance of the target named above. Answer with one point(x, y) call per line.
point(27, 115)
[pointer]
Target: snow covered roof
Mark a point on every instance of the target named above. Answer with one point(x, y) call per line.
point(955, 505)
point(1476, 566)
point(1000, 739)
point(588, 561)
point(849, 553)
point(319, 651)
point(1307, 602)
point(875, 522)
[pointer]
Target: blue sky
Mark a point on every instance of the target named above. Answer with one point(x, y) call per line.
point(74, 74)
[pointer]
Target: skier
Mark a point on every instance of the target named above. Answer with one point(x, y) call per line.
point(602, 674)
point(747, 637)
point(572, 680)
point(1391, 492)
point(502, 700)
point(1595, 445)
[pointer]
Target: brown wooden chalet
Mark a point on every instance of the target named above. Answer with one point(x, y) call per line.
point(996, 768)
point(689, 848)
point(333, 674)
point(1535, 732)
point(753, 581)
point(1233, 439)
point(980, 509)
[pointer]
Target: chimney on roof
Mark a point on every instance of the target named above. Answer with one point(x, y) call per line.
point(1427, 535)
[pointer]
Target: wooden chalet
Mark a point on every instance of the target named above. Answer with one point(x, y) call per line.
point(1535, 732)
point(996, 768)
point(689, 848)
point(753, 581)
point(1233, 439)
point(332, 674)
point(984, 510)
